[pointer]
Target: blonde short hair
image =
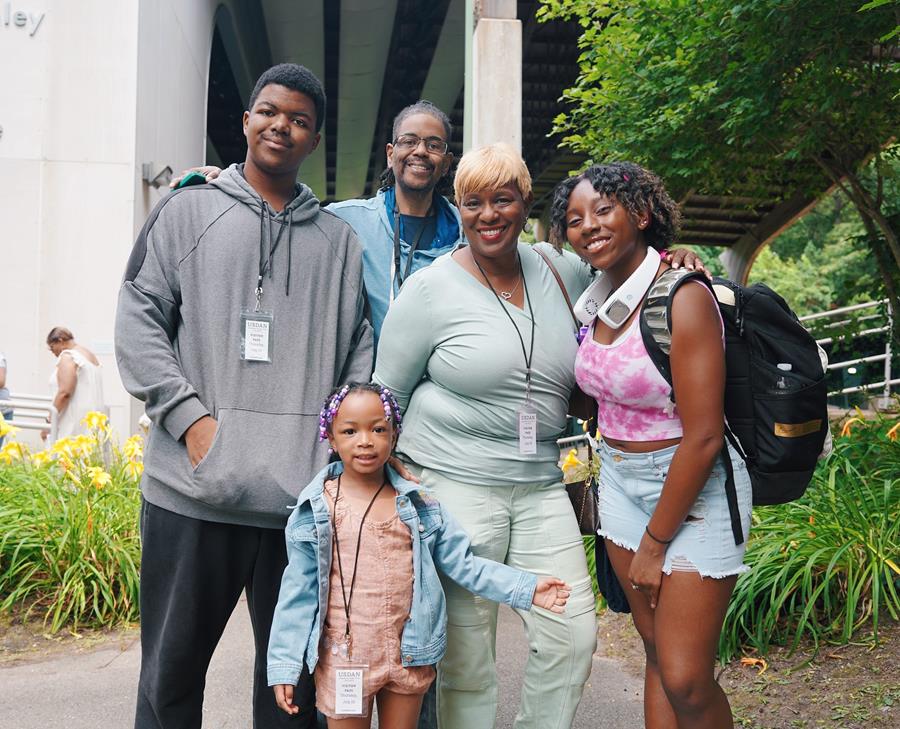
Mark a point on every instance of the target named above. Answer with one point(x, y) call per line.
point(490, 168)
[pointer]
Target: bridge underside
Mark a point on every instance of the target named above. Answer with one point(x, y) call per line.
point(377, 56)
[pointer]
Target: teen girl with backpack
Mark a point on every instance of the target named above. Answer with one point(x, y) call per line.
point(663, 507)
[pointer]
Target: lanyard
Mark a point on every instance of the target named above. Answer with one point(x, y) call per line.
point(266, 261)
point(529, 356)
point(412, 248)
point(348, 599)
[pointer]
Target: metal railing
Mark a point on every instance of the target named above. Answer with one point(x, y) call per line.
point(32, 412)
point(842, 320)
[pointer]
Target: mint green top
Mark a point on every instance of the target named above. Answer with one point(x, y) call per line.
point(451, 356)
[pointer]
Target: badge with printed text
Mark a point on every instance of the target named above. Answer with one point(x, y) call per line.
point(257, 330)
point(348, 689)
point(527, 418)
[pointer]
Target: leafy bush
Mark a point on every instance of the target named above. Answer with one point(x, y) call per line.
point(69, 541)
point(825, 567)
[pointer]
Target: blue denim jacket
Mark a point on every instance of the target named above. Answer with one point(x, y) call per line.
point(441, 545)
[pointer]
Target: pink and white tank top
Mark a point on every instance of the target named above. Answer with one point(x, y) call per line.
point(633, 398)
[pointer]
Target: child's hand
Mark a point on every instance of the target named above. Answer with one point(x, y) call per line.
point(551, 594)
point(284, 697)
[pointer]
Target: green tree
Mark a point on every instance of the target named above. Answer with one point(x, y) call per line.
point(749, 97)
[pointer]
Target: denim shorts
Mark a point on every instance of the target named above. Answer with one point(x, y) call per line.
point(630, 486)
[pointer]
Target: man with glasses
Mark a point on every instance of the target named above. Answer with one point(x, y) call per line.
point(409, 223)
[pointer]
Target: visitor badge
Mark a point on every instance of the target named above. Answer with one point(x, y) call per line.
point(257, 329)
point(528, 421)
point(348, 689)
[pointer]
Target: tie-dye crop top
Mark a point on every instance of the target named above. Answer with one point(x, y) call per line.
point(633, 398)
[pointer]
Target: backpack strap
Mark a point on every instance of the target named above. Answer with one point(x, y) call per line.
point(656, 332)
point(656, 317)
point(562, 286)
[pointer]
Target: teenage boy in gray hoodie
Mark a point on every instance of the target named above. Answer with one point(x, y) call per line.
point(242, 307)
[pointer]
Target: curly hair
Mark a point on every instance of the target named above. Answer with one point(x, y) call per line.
point(635, 188)
point(333, 403)
point(423, 106)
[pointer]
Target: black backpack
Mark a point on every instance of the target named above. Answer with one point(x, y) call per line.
point(775, 395)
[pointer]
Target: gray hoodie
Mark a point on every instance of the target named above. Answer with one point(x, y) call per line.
point(193, 269)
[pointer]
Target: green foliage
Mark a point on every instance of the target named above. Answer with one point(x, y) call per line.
point(69, 541)
point(761, 99)
point(725, 96)
point(825, 568)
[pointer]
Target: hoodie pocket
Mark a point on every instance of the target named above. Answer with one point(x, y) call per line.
point(256, 462)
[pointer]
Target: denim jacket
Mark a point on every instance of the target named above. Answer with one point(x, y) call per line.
point(441, 545)
point(375, 230)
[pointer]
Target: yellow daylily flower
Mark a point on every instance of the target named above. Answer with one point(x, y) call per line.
point(571, 460)
point(99, 477)
point(134, 469)
point(894, 432)
point(40, 459)
point(6, 428)
point(13, 451)
point(95, 420)
point(64, 447)
point(133, 447)
point(845, 431)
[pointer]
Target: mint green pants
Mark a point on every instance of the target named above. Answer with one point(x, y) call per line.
point(532, 527)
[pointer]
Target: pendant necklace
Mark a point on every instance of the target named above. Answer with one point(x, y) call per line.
point(507, 295)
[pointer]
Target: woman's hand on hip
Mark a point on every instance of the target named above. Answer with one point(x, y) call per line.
point(645, 574)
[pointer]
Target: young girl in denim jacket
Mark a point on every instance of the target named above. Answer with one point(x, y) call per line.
point(360, 597)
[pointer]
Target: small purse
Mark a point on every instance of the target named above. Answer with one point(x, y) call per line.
point(583, 495)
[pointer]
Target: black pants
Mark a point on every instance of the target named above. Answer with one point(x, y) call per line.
point(192, 575)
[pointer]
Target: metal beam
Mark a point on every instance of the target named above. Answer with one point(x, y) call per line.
point(366, 27)
point(446, 75)
point(296, 33)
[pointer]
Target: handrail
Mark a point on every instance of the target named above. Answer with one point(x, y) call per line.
point(32, 412)
point(843, 310)
point(887, 380)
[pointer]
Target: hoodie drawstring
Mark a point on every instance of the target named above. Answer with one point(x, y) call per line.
point(265, 215)
point(287, 282)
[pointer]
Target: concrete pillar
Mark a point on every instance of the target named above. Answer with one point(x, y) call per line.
point(495, 80)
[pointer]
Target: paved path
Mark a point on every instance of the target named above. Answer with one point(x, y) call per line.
point(95, 690)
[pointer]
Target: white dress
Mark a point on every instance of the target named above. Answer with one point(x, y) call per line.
point(88, 393)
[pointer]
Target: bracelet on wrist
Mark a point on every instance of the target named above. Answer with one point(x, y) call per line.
point(657, 539)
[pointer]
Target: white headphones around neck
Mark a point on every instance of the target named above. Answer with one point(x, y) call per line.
point(614, 309)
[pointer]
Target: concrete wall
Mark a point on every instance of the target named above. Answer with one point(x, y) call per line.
point(67, 108)
point(97, 89)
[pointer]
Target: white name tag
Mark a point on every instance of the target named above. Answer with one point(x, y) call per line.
point(256, 336)
point(527, 417)
point(348, 694)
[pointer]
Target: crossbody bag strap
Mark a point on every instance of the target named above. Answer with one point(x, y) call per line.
point(562, 286)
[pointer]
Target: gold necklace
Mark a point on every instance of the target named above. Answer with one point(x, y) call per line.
point(507, 295)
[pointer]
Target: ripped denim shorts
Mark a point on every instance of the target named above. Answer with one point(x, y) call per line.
point(630, 486)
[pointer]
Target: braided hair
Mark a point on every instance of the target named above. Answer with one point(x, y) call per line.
point(635, 188)
point(333, 403)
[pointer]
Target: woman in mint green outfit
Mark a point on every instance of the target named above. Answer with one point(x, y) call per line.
point(475, 344)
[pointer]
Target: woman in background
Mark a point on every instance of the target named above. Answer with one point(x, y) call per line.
point(76, 383)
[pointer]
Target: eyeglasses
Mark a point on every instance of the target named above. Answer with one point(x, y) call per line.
point(409, 142)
